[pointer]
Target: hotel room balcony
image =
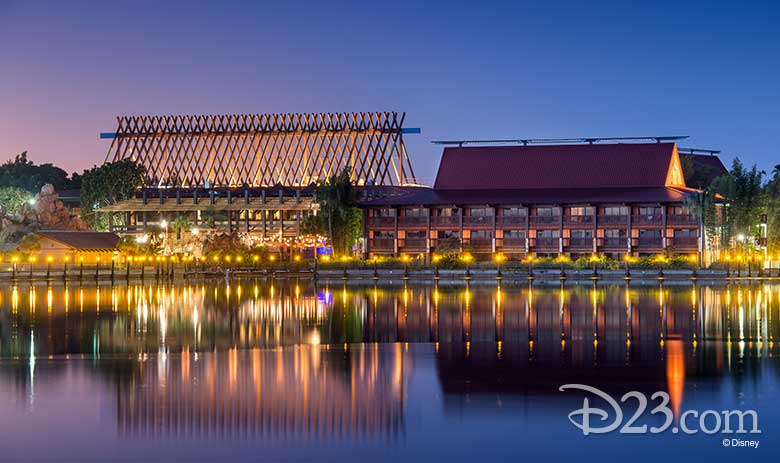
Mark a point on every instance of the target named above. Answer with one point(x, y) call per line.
point(578, 221)
point(683, 243)
point(648, 243)
point(478, 222)
point(381, 222)
point(612, 220)
point(544, 244)
point(544, 220)
point(479, 244)
point(656, 219)
point(511, 221)
point(688, 220)
point(613, 244)
point(412, 245)
point(414, 221)
point(578, 244)
point(445, 221)
point(512, 245)
point(382, 245)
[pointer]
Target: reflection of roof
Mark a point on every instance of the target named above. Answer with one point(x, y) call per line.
point(555, 166)
point(425, 196)
point(83, 240)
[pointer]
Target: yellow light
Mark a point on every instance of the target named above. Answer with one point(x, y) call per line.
point(405, 258)
point(227, 258)
point(499, 258)
point(466, 257)
point(14, 259)
point(31, 259)
point(49, 259)
point(627, 257)
point(728, 257)
point(297, 258)
point(66, 258)
point(436, 258)
point(272, 258)
point(255, 258)
point(694, 257)
point(81, 258)
point(239, 258)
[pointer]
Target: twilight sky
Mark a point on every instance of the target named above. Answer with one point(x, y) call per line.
point(459, 70)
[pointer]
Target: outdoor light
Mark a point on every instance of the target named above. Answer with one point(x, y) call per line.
point(272, 258)
point(49, 259)
point(195, 231)
point(255, 258)
point(142, 239)
point(436, 258)
point(164, 223)
point(31, 201)
point(740, 237)
point(297, 258)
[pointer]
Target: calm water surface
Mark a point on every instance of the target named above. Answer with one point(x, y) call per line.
point(287, 370)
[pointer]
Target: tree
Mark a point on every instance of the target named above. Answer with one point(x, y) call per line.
point(29, 244)
point(338, 219)
point(108, 184)
point(180, 224)
point(23, 173)
point(13, 199)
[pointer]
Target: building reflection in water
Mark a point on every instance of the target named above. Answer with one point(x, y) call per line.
point(287, 358)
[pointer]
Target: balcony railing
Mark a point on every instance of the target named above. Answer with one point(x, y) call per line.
point(684, 242)
point(613, 220)
point(655, 219)
point(382, 244)
point(378, 222)
point(614, 243)
point(545, 243)
point(682, 219)
point(648, 242)
point(413, 221)
point(577, 220)
point(479, 244)
point(445, 221)
point(544, 219)
point(413, 244)
point(511, 221)
point(578, 243)
point(478, 221)
point(511, 243)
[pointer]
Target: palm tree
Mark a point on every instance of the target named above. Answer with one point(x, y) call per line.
point(179, 224)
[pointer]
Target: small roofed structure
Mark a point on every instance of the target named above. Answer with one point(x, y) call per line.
point(74, 245)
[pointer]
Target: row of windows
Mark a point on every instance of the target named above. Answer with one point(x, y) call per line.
point(442, 234)
point(521, 211)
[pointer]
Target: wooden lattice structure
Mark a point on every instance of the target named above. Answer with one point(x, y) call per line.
point(261, 150)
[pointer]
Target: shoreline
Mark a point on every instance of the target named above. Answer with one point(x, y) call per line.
point(379, 275)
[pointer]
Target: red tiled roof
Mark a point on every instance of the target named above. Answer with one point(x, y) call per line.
point(559, 166)
point(432, 197)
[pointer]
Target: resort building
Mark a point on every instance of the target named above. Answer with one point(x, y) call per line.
point(250, 174)
point(543, 200)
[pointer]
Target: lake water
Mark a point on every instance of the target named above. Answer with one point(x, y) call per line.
point(293, 371)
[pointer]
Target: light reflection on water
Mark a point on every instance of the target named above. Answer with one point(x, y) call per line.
point(291, 364)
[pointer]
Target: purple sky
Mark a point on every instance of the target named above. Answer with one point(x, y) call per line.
point(459, 70)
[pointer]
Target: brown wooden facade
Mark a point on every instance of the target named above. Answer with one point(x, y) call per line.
point(612, 229)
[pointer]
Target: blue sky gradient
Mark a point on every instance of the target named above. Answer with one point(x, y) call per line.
point(459, 69)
